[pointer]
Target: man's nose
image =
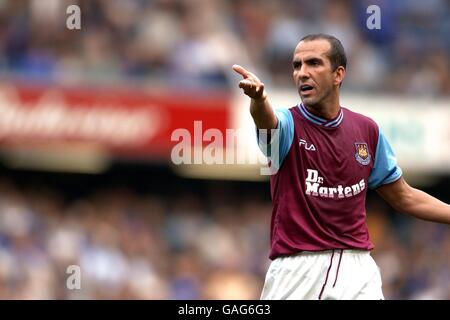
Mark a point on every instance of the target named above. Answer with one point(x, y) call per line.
point(303, 72)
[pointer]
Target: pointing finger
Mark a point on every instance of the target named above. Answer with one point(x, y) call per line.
point(241, 70)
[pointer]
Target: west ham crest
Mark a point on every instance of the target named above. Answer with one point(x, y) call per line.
point(362, 153)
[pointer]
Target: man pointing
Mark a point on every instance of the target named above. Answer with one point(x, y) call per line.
point(328, 158)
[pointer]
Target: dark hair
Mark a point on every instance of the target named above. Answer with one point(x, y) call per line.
point(336, 54)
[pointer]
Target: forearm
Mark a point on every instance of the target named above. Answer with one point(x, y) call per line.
point(423, 206)
point(263, 114)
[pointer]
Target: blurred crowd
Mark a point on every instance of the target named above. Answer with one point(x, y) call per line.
point(193, 43)
point(134, 245)
point(149, 245)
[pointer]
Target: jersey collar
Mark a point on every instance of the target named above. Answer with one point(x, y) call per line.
point(333, 123)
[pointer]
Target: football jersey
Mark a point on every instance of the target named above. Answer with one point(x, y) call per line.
point(323, 171)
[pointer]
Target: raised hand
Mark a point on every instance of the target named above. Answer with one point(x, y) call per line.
point(252, 86)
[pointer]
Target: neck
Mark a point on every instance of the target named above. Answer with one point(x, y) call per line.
point(326, 109)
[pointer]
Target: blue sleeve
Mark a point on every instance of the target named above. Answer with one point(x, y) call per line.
point(385, 169)
point(282, 137)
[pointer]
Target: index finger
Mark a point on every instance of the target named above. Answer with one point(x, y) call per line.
point(241, 70)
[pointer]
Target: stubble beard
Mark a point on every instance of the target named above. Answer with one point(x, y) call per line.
point(318, 102)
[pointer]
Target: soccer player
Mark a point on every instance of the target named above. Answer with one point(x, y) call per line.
point(328, 157)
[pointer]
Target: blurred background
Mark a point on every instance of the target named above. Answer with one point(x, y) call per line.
point(86, 123)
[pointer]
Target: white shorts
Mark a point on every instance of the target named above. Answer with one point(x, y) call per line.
point(332, 274)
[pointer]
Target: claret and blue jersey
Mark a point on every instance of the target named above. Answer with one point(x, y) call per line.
point(324, 168)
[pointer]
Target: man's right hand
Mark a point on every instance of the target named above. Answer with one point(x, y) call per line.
point(260, 107)
point(252, 86)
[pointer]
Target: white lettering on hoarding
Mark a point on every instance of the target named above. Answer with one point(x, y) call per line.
point(51, 117)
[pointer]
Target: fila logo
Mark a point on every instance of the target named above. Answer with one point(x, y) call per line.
point(309, 147)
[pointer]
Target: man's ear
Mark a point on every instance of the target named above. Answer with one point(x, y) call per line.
point(339, 75)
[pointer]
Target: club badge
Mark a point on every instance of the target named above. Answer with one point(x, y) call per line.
point(362, 153)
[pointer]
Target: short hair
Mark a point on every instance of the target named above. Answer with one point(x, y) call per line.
point(336, 54)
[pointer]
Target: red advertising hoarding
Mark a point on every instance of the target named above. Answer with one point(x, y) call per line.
point(123, 121)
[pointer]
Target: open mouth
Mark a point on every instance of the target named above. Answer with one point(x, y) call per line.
point(305, 88)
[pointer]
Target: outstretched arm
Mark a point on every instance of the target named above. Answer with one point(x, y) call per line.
point(417, 203)
point(260, 107)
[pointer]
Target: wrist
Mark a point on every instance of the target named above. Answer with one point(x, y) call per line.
point(262, 98)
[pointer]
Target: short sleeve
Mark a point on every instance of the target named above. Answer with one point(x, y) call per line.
point(385, 169)
point(281, 138)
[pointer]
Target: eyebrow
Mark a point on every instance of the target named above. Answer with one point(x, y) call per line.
point(307, 60)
